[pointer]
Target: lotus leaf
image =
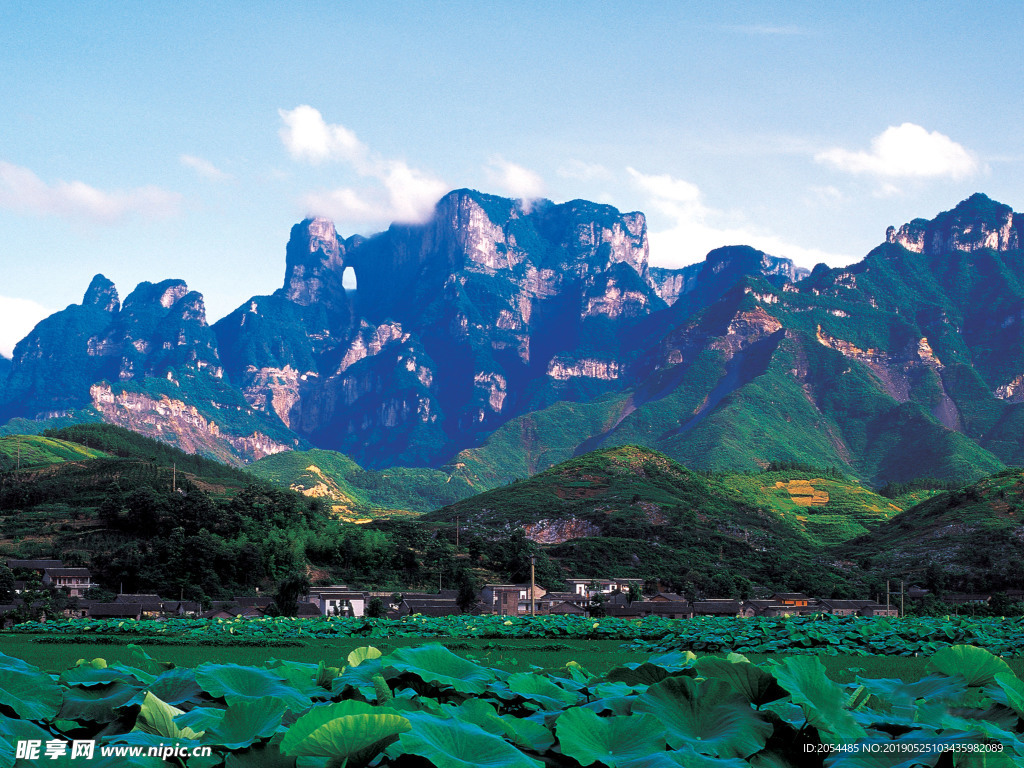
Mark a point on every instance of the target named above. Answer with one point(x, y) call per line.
point(684, 758)
point(27, 690)
point(932, 687)
point(262, 756)
point(200, 718)
point(525, 733)
point(457, 744)
point(157, 717)
point(612, 741)
point(976, 665)
point(11, 732)
point(359, 655)
point(822, 701)
point(434, 663)
point(362, 678)
point(96, 703)
point(351, 731)
point(96, 672)
point(637, 675)
point(246, 722)
point(177, 686)
point(235, 683)
point(542, 690)
point(707, 716)
point(753, 683)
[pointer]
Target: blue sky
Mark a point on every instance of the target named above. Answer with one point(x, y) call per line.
point(148, 142)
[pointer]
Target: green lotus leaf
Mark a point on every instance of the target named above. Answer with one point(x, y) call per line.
point(434, 663)
point(96, 672)
point(456, 744)
point(932, 687)
point(30, 692)
point(1011, 689)
point(359, 655)
point(301, 677)
point(823, 702)
point(325, 675)
point(177, 686)
point(612, 741)
point(361, 678)
point(11, 732)
point(245, 723)
point(523, 732)
point(235, 683)
point(200, 718)
point(976, 665)
point(707, 716)
point(542, 690)
point(637, 674)
point(157, 717)
point(96, 703)
point(753, 683)
point(351, 731)
point(262, 756)
point(684, 758)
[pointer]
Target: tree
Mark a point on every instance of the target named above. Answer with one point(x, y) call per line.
point(289, 591)
point(467, 587)
point(375, 609)
point(6, 583)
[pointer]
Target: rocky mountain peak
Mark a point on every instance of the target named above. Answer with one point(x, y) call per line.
point(102, 293)
point(975, 223)
point(166, 293)
point(315, 262)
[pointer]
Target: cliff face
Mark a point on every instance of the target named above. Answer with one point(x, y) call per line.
point(976, 223)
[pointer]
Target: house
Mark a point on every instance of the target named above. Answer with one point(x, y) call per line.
point(624, 610)
point(115, 611)
point(791, 599)
point(965, 598)
point(590, 587)
point(152, 605)
point(843, 607)
point(412, 606)
point(338, 600)
point(34, 565)
point(563, 608)
point(74, 581)
point(871, 608)
point(668, 597)
point(182, 608)
point(502, 599)
point(666, 609)
point(716, 608)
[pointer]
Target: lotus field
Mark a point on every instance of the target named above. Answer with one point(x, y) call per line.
point(813, 635)
point(424, 705)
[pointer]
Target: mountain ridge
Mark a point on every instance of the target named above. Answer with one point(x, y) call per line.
point(501, 340)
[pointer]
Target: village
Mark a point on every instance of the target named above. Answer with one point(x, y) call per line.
point(620, 598)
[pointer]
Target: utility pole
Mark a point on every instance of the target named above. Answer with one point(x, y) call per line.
point(456, 531)
point(887, 596)
point(902, 609)
point(532, 586)
point(174, 477)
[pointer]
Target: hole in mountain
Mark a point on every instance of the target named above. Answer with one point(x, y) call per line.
point(348, 279)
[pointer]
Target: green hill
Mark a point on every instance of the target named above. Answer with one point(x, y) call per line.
point(359, 495)
point(35, 450)
point(970, 539)
point(633, 511)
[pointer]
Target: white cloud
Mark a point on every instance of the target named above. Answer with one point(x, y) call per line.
point(17, 318)
point(204, 168)
point(22, 191)
point(905, 151)
point(514, 180)
point(394, 192)
point(307, 136)
point(695, 229)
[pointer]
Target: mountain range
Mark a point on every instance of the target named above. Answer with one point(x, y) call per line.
point(496, 340)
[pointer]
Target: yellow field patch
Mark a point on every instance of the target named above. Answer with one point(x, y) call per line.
point(803, 493)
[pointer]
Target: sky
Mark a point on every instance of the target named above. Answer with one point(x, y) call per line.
point(183, 140)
